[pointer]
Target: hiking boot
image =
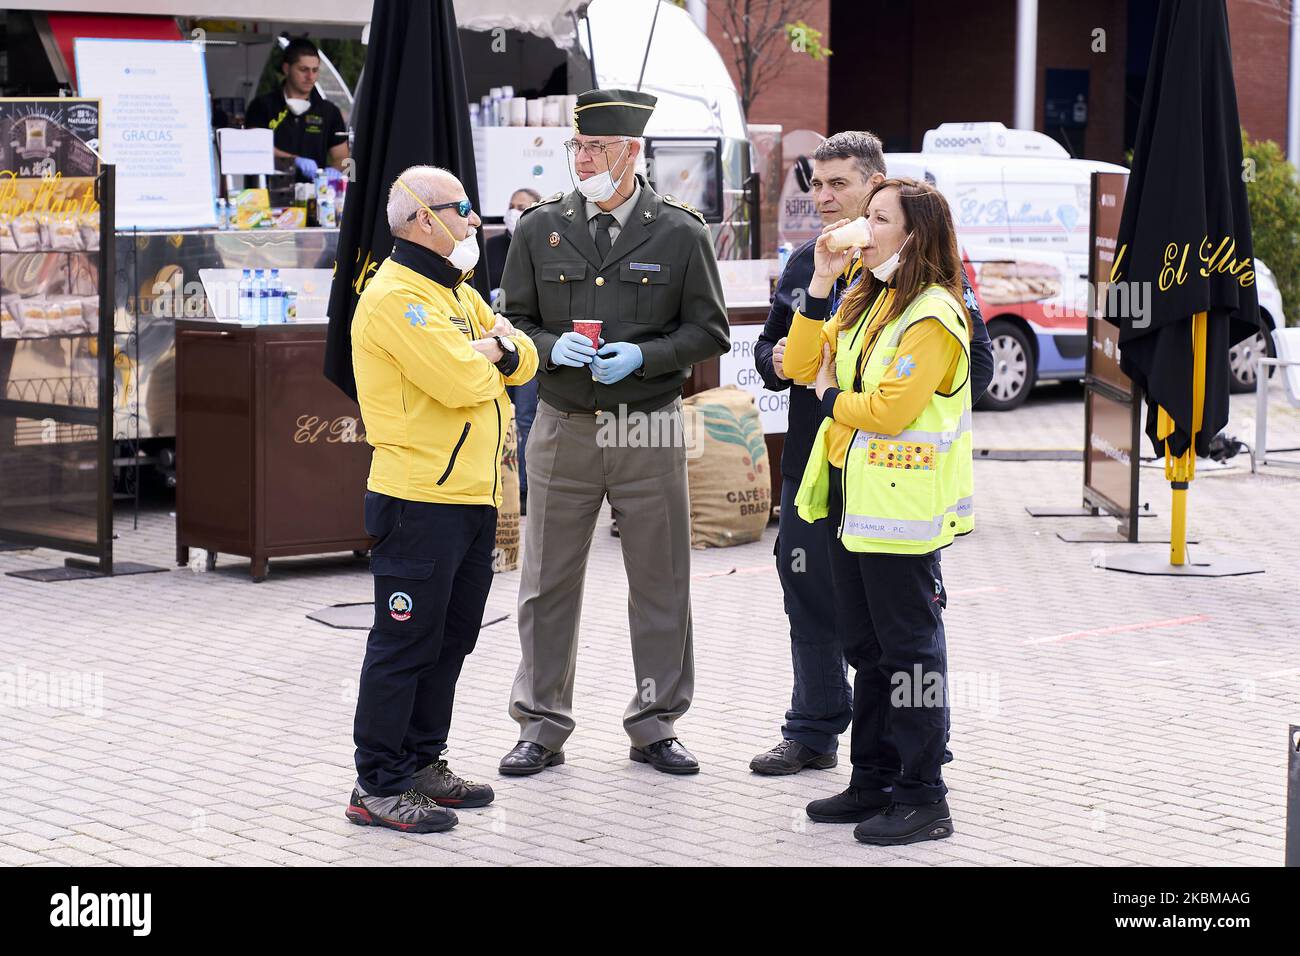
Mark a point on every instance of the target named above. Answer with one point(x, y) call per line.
point(907, 823)
point(852, 806)
point(790, 756)
point(444, 788)
point(410, 812)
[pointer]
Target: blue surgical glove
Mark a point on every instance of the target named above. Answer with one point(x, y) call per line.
point(572, 349)
point(616, 362)
point(306, 165)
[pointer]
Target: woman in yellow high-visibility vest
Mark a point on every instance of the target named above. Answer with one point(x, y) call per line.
point(892, 466)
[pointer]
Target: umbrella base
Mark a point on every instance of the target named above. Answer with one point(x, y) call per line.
point(1108, 537)
point(1152, 562)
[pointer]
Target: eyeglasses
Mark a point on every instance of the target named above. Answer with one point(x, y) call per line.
point(463, 208)
point(591, 149)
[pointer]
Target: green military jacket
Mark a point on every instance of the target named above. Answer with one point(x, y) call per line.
point(658, 288)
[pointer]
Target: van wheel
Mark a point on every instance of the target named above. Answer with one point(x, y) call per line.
point(1014, 369)
point(1242, 356)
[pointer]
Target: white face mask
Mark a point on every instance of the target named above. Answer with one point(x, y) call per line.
point(512, 219)
point(602, 186)
point(885, 271)
point(464, 254)
point(297, 107)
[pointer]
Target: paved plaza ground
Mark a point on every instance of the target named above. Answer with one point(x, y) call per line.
point(1099, 717)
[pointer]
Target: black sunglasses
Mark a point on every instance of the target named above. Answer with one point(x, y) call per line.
point(463, 207)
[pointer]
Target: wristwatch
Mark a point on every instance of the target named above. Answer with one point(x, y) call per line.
point(505, 344)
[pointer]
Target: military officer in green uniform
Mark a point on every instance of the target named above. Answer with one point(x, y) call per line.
point(616, 251)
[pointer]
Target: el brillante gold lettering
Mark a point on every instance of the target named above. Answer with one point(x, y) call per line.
point(341, 430)
point(1173, 274)
point(1222, 260)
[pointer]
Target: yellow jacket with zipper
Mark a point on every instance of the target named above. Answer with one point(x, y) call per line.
point(435, 410)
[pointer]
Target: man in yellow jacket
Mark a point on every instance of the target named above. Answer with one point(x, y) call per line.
point(432, 363)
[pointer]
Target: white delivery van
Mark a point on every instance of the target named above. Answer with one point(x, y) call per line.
point(697, 143)
point(1021, 208)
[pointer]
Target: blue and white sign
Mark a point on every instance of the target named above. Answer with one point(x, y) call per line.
point(156, 128)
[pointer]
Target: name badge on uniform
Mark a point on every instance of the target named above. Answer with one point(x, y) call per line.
point(645, 266)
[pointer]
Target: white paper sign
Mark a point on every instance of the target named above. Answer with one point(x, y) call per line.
point(737, 368)
point(248, 152)
point(156, 128)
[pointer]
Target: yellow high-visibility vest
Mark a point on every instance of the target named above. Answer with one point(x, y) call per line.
point(909, 493)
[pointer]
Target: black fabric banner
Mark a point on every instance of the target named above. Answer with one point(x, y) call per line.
point(1186, 224)
point(412, 109)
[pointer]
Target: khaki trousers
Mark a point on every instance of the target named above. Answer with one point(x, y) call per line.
point(569, 476)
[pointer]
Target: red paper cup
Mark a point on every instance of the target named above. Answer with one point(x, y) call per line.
point(591, 330)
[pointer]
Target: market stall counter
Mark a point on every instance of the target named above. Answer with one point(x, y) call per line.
point(271, 457)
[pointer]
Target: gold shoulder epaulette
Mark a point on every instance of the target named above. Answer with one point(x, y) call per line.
point(544, 200)
point(674, 201)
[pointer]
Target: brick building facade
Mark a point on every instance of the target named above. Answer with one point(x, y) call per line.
point(901, 67)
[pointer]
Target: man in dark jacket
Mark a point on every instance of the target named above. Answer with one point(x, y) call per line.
point(846, 167)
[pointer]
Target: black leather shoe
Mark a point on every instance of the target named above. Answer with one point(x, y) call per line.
point(852, 806)
point(790, 756)
point(529, 758)
point(668, 756)
point(906, 823)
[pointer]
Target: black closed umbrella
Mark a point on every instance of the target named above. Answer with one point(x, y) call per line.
point(412, 110)
point(1185, 234)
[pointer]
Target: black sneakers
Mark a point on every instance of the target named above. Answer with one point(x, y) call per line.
point(790, 756)
point(906, 823)
point(410, 812)
point(439, 784)
point(852, 806)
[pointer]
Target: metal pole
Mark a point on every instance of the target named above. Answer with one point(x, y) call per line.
point(1026, 62)
point(1293, 89)
point(1293, 796)
point(645, 59)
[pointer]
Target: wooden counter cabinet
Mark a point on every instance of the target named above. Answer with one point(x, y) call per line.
point(271, 458)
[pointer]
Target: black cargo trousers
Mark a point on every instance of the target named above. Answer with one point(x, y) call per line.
point(432, 565)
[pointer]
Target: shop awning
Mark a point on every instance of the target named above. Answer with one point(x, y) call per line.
point(66, 27)
point(546, 18)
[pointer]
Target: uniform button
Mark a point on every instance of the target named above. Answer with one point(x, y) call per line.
point(645, 280)
point(561, 276)
point(600, 280)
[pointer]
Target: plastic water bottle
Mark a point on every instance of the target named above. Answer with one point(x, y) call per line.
point(259, 297)
point(246, 296)
point(276, 289)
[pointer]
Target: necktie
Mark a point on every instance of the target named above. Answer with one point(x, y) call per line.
point(603, 240)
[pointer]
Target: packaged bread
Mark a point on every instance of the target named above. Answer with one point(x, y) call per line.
point(65, 315)
point(38, 318)
point(7, 243)
point(9, 325)
point(89, 226)
point(62, 233)
point(26, 232)
point(90, 313)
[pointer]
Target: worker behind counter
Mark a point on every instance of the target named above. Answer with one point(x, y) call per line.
point(309, 129)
